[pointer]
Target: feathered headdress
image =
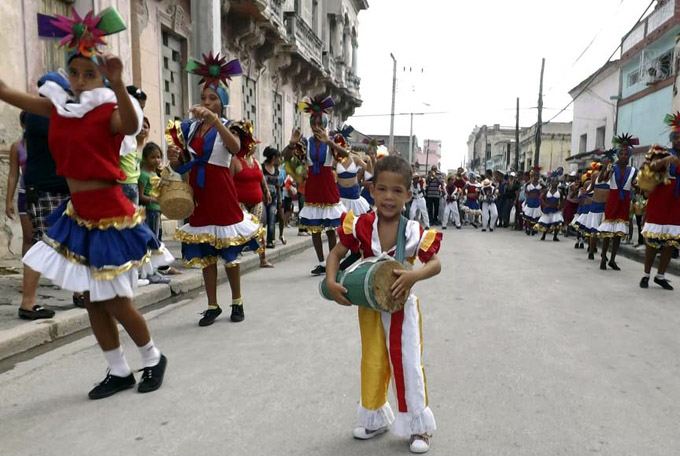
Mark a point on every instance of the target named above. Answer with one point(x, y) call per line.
point(557, 173)
point(81, 35)
point(595, 166)
point(535, 170)
point(609, 154)
point(673, 121)
point(625, 140)
point(244, 130)
point(214, 70)
point(342, 135)
point(586, 176)
point(318, 106)
point(373, 143)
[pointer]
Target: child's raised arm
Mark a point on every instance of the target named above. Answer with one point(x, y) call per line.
point(332, 264)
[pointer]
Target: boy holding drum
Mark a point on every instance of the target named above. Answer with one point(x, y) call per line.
point(391, 342)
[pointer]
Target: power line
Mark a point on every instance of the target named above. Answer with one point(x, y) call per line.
point(405, 114)
point(597, 73)
point(580, 56)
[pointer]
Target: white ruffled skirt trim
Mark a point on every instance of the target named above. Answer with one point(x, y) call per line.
point(532, 213)
point(358, 206)
point(375, 419)
point(661, 234)
point(76, 277)
point(407, 424)
point(551, 219)
point(221, 236)
point(613, 229)
point(593, 220)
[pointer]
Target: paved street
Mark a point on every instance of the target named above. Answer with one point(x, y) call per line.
point(530, 349)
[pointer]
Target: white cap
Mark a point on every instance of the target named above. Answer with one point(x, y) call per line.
point(512, 174)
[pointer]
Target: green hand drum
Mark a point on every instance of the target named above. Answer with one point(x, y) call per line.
point(368, 285)
point(369, 282)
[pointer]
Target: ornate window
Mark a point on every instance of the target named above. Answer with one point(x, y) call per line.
point(172, 54)
point(277, 120)
point(249, 90)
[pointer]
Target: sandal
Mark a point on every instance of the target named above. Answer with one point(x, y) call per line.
point(79, 300)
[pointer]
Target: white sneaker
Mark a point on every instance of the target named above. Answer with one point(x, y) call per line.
point(420, 443)
point(142, 282)
point(362, 434)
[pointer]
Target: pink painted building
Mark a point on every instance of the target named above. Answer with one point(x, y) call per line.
point(430, 154)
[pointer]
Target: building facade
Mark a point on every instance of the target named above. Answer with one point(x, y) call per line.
point(430, 156)
point(491, 147)
point(648, 68)
point(555, 146)
point(594, 121)
point(288, 49)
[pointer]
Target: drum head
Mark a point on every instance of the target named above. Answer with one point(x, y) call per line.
point(382, 282)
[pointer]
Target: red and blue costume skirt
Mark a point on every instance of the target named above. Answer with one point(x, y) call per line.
point(97, 243)
point(662, 223)
point(616, 215)
point(323, 209)
point(218, 229)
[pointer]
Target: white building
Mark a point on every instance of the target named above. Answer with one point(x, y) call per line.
point(594, 121)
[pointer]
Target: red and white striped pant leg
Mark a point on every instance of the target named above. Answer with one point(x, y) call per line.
point(404, 340)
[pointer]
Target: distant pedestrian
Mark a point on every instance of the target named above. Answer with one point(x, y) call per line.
point(451, 209)
point(488, 197)
point(472, 208)
point(551, 220)
point(15, 178)
point(531, 210)
point(433, 194)
point(418, 208)
point(509, 199)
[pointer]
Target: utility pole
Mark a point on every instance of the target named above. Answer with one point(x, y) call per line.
point(410, 143)
point(517, 138)
point(394, 94)
point(427, 156)
point(539, 124)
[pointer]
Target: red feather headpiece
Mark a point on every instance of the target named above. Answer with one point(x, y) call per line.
point(214, 70)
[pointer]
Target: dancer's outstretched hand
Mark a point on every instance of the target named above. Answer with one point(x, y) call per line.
point(111, 67)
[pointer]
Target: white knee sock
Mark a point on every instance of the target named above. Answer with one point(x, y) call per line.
point(150, 354)
point(117, 363)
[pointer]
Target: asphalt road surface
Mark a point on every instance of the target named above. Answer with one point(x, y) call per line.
point(530, 349)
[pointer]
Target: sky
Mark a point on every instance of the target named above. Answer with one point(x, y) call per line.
point(472, 59)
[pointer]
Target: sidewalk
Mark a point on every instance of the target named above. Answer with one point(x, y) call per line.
point(17, 336)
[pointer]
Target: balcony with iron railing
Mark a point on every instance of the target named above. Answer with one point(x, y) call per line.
point(665, 12)
point(303, 39)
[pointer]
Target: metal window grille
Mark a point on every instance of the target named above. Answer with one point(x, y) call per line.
point(277, 120)
point(249, 91)
point(173, 90)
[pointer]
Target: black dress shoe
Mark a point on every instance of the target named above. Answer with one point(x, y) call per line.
point(663, 283)
point(209, 316)
point(614, 266)
point(591, 256)
point(318, 270)
point(603, 264)
point(112, 385)
point(36, 313)
point(152, 377)
point(576, 245)
point(556, 239)
point(644, 282)
point(237, 314)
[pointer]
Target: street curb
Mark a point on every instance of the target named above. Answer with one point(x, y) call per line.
point(631, 253)
point(17, 340)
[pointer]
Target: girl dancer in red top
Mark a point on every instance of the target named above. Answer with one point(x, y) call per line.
point(218, 229)
point(251, 187)
point(323, 208)
point(98, 240)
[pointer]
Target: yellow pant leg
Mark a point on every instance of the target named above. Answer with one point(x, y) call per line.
point(375, 363)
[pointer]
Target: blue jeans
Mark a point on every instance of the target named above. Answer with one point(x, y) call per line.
point(153, 221)
point(131, 192)
point(270, 211)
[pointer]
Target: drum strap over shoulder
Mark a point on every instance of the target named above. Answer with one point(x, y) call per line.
point(401, 240)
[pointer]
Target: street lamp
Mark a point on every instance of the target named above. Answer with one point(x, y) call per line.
point(394, 93)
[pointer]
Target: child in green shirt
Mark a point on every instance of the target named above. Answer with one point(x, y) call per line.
point(151, 159)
